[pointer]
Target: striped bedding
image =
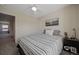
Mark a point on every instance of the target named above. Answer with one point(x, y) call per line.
point(41, 44)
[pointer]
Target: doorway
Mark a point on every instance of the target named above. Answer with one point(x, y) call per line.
point(7, 28)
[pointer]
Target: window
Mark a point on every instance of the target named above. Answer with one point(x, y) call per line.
point(4, 27)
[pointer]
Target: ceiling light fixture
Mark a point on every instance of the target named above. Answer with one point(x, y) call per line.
point(34, 8)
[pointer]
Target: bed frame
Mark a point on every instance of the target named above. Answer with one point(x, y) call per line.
point(20, 50)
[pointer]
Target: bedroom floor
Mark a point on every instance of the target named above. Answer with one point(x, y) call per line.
point(66, 53)
point(9, 48)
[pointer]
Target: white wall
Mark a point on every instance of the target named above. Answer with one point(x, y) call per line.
point(78, 20)
point(67, 19)
point(24, 25)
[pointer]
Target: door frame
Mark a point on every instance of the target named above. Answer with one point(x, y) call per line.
point(13, 23)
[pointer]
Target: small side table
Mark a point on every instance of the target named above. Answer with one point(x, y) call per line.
point(69, 43)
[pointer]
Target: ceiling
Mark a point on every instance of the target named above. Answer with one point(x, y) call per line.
point(42, 9)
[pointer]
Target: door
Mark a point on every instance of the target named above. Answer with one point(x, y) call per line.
point(7, 28)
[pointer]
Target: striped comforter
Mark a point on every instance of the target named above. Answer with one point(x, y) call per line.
point(41, 44)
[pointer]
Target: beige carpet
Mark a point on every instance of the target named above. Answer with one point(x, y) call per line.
point(8, 48)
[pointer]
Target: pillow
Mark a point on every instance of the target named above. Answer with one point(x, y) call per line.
point(56, 32)
point(44, 32)
point(48, 31)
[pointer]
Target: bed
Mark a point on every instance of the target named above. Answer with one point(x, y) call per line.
point(41, 44)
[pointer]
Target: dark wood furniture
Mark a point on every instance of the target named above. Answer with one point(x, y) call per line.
point(20, 50)
point(71, 43)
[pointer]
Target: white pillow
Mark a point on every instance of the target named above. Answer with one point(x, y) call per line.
point(49, 31)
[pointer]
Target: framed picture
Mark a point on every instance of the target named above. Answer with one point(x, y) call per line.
point(52, 22)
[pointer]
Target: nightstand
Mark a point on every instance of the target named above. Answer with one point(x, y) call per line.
point(71, 46)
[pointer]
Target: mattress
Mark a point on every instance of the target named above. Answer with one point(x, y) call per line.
point(41, 44)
